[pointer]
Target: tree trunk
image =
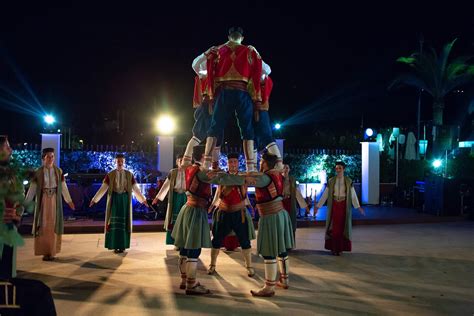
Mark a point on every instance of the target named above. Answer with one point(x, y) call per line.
point(438, 107)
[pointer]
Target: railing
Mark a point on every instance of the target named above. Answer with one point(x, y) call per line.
point(180, 148)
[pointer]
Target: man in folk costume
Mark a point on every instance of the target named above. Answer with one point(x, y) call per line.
point(262, 127)
point(50, 188)
point(11, 207)
point(191, 231)
point(275, 232)
point(233, 69)
point(231, 214)
point(119, 185)
point(293, 200)
point(341, 197)
point(31, 297)
point(202, 113)
point(174, 188)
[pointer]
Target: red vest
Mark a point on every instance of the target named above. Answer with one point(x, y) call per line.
point(236, 195)
point(266, 86)
point(273, 190)
point(200, 90)
point(194, 185)
point(234, 62)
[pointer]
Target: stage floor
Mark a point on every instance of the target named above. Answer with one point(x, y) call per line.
point(375, 215)
point(414, 269)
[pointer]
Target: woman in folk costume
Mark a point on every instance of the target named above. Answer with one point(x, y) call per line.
point(293, 200)
point(118, 184)
point(174, 188)
point(191, 232)
point(341, 197)
point(275, 232)
point(49, 187)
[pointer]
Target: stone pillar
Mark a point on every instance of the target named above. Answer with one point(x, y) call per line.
point(52, 141)
point(165, 161)
point(370, 173)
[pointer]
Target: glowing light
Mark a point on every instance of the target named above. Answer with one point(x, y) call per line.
point(81, 141)
point(277, 126)
point(49, 119)
point(59, 131)
point(437, 163)
point(369, 132)
point(165, 125)
point(25, 182)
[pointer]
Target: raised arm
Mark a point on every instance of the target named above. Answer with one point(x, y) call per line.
point(221, 178)
point(199, 65)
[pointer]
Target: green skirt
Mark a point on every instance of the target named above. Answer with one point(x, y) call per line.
point(179, 199)
point(191, 230)
point(117, 235)
point(275, 234)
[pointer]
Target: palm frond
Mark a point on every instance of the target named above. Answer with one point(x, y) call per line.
point(409, 80)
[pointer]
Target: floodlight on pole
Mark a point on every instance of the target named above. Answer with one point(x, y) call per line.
point(165, 125)
point(49, 119)
point(277, 126)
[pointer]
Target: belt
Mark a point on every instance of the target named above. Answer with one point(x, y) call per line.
point(230, 208)
point(233, 85)
point(50, 191)
point(339, 198)
point(270, 208)
point(196, 202)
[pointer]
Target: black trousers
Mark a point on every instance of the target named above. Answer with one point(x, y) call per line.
point(226, 222)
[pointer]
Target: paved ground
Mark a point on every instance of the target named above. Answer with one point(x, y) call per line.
point(414, 269)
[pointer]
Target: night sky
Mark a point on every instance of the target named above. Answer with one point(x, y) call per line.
point(330, 64)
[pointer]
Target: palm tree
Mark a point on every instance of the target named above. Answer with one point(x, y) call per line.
point(435, 75)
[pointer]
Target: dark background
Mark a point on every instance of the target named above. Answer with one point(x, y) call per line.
point(106, 65)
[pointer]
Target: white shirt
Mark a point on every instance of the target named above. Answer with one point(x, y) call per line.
point(50, 182)
point(179, 186)
point(339, 191)
point(120, 185)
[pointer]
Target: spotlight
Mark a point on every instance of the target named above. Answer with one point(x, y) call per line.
point(25, 182)
point(369, 135)
point(49, 119)
point(437, 163)
point(277, 126)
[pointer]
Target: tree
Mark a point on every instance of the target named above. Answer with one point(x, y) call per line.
point(435, 75)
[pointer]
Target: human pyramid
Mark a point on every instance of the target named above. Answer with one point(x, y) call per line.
point(231, 80)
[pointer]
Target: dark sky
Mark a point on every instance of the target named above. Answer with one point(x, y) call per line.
point(330, 63)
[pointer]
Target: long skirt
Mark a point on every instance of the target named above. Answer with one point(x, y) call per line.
point(336, 241)
point(275, 234)
point(117, 234)
point(48, 243)
point(191, 230)
point(179, 199)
